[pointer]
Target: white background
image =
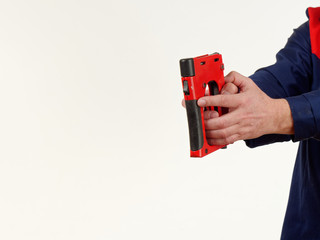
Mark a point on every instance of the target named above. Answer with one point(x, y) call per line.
point(93, 138)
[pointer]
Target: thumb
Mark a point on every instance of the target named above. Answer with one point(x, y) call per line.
point(229, 88)
point(242, 82)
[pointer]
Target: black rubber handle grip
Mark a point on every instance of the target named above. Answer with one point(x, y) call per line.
point(195, 125)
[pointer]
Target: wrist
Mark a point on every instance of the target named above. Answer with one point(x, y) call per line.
point(283, 121)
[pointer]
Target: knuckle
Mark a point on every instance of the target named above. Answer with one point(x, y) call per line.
point(221, 124)
point(234, 73)
point(231, 139)
point(224, 134)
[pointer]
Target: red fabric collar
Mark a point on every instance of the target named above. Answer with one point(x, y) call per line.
point(314, 25)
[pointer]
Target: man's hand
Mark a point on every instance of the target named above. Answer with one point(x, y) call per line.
point(251, 112)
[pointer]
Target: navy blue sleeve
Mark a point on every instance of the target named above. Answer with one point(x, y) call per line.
point(291, 78)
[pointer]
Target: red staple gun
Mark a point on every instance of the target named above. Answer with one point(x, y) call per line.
point(198, 75)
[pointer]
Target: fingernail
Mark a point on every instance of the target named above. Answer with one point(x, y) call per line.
point(202, 102)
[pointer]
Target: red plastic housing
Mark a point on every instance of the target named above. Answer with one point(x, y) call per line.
point(206, 74)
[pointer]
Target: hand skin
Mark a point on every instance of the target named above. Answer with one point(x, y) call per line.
point(251, 112)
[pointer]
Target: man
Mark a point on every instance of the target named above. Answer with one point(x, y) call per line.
point(280, 103)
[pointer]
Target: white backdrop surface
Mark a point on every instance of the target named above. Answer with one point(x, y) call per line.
point(93, 138)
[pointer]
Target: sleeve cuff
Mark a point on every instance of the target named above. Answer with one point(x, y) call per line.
point(267, 139)
point(303, 117)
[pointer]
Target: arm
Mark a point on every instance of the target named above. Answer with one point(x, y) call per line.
point(291, 78)
point(288, 87)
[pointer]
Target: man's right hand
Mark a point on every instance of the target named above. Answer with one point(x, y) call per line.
point(251, 113)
